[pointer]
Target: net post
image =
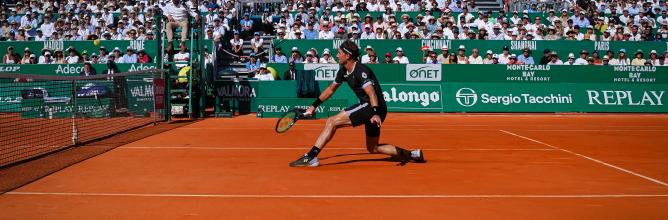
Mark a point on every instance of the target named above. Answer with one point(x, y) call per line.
point(75, 131)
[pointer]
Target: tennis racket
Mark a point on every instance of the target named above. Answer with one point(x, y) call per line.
point(288, 119)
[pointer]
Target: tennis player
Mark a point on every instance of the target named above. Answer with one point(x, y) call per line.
point(370, 111)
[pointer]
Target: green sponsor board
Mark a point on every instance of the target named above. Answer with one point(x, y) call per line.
point(275, 107)
point(495, 88)
point(86, 107)
point(70, 69)
point(140, 96)
point(556, 74)
point(496, 97)
point(412, 47)
point(149, 46)
point(502, 73)
point(620, 98)
point(413, 97)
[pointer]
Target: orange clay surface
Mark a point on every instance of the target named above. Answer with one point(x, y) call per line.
point(479, 167)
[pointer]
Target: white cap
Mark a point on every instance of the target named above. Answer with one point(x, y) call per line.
point(325, 52)
point(369, 47)
point(263, 65)
point(652, 52)
point(571, 55)
point(495, 56)
point(399, 49)
point(462, 47)
point(513, 55)
point(489, 52)
point(294, 49)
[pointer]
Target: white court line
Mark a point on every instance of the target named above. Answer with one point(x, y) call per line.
point(337, 196)
point(336, 148)
point(589, 158)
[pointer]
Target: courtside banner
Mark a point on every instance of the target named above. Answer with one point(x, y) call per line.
point(504, 97)
point(275, 107)
point(413, 97)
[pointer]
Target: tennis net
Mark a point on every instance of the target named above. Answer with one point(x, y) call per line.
point(40, 114)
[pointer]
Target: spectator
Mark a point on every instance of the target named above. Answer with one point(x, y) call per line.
point(461, 56)
point(495, 59)
point(571, 59)
point(47, 59)
point(452, 59)
point(310, 57)
point(400, 58)
point(623, 58)
point(443, 57)
point(32, 60)
point(373, 58)
point(237, 46)
point(181, 58)
point(475, 57)
point(605, 61)
point(73, 58)
point(253, 64)
point(257, 43)
point(327, 57)
point(60, 57)
point(590, 61)
point(554, 59)
point(664, 61)
point(291, 73)
point(10, 56)
point(142, 57)
point(117, 55)
point(87, 70)
point(310, 33)
point(546, 57)
point(388, 58)
point(26, 56)
point(368, 34)
point(326, 32)
point(638, 60)
point(582, 60)
point(278, 57)
point(94, 58)
point(102, 58)
point(365, 57)
point(131, 57)
point(490, 58)
point(653, 58)
point(513, 60)
point(504, 57)
point(177, 16)
point(597, 58)
point(526, 57)
point(431, 57)
point(262, 73)
point(296, 56)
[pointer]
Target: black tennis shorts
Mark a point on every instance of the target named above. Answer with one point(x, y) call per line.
point(361, 113)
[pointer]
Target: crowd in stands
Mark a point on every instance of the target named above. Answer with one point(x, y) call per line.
point(599, 20)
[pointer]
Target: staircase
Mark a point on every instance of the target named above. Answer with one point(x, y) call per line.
point(486, 5)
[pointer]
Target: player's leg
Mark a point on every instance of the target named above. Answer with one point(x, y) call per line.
point(373, 146)
point(311, 158)
point(338, 121)
point(355, 115)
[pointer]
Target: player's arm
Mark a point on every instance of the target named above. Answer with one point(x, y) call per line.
point(373, 100)
point(328, 92)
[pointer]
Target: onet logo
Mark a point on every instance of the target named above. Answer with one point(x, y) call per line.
point(466, 97)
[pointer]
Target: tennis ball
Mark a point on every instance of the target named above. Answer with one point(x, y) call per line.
point(96, 42)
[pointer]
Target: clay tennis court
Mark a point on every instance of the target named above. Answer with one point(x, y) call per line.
point(539, 166)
